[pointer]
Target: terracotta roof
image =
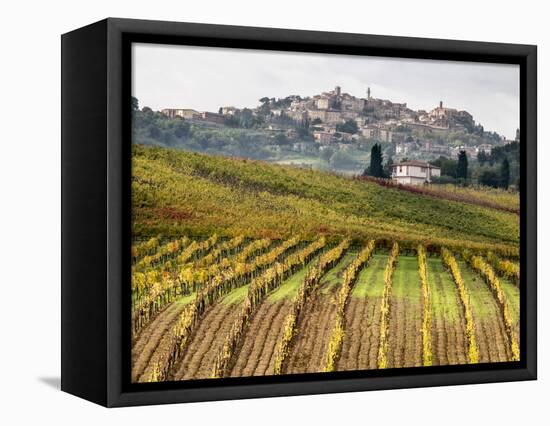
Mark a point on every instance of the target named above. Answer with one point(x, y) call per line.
point(415, 163)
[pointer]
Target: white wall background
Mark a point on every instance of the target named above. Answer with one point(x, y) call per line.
point(30, 210)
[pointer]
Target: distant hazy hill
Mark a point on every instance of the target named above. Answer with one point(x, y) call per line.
point(176, 192)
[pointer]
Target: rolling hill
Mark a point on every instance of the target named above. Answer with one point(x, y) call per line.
point(182, 193)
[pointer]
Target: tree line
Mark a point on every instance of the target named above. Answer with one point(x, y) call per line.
point(497, 175)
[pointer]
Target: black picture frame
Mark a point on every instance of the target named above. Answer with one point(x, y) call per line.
point(96, 210)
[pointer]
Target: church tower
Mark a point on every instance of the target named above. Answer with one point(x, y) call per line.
point(368, 92)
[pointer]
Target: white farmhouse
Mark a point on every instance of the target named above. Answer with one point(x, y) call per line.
point(414, 172)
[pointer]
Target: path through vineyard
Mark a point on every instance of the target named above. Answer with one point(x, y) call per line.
point(449, 343)
point(207, 342)
point(255, 357)
point(153, 340)
point(314, 327)
point(489, 326)
point(209, 337)
point(362, 330)
point(405, 326)
point(511, 292)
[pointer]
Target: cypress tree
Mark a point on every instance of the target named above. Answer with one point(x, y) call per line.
point(505, 173)
point(462, 166)
point(376, 168)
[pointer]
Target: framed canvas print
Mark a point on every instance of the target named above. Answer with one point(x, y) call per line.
point(252, 212)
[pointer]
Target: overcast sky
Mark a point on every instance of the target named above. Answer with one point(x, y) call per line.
point(205, 78)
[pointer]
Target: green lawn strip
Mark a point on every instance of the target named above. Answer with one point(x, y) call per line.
point(483, 303)
point(443, 290)
point(184, 300)
point(406, 281)
point(370, 282)
point(236, 296)
point(290, 286)
point(334, 275)
point(511, 292)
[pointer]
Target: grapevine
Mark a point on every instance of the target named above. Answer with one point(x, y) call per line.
point(486, 271)
point(218, 286)
point(350, 275)
point(427, 355)
point(262, 285)
point(310, 282)
point(385, 308)
point(450, 262)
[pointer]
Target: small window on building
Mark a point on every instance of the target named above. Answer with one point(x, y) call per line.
point(400, 169)
point(423, 169)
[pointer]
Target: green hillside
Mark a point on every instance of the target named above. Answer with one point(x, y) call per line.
point(177, 192)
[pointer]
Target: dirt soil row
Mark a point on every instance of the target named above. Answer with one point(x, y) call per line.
point(362, 328)
point(206, 342)
point(153, 341)
point(309, 350)
point(256, 354)
point(405, 324)
point(491, 337)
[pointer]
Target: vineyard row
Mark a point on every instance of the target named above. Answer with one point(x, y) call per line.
point(212, 268)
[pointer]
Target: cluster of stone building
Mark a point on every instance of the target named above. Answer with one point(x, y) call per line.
point(191, 114)
point(375, 117)
point(334, 107)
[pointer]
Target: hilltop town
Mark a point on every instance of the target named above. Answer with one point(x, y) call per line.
point(333, 118)
point(337, 131)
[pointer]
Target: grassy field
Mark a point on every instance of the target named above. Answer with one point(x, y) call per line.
point(448, 332)
point(236, 296)
point(511, 291)
point(289, 288)
point(405, 315)
point(405, 280)
point(334, 277)
point(370, 282)
point(443, 291)
point(180, 193)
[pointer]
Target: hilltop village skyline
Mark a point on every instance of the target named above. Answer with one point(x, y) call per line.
point(206, 78)
point(335, 130)
point(374, 118)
